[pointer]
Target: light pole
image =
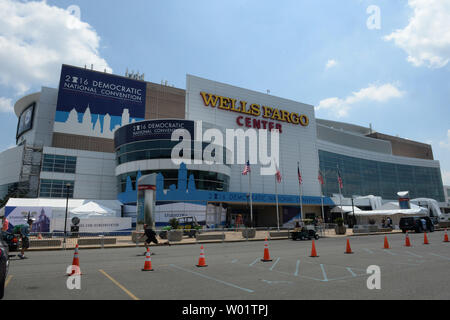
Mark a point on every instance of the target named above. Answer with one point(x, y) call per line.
point(353, 209)
point(67, 187)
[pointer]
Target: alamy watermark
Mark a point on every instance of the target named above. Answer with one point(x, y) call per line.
point(75, 17)
point(374, 20)
point(213, 153)
point(374, 281)
point(74, 280)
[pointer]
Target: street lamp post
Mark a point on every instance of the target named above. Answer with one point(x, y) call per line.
point(67, 187)
point(353, 209)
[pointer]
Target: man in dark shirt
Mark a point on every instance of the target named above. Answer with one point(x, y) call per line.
point(151, 237)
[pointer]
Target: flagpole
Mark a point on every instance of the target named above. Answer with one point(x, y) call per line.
point(340, 192)
point(276, 197)
point(251, 200)
point(323, 214)
point(301, 192)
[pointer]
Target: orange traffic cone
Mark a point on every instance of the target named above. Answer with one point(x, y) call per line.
point(75, 263)
point(148, 261)
point(313, 250)
point(266, 257)
point(202, 260)
point(425, 238)
point(407, 241)
point(349, 249)
point(446, 236)
point(386, 243)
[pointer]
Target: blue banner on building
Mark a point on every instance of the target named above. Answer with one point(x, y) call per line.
point(96, 104)
point(151, 130)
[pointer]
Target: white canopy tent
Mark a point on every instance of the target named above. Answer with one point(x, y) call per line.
point(58, 206)
point(92, 209)
point(390, 209)
point(431, 204)
point(345, 209)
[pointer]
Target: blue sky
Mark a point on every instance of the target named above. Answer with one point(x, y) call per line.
point(283, 46)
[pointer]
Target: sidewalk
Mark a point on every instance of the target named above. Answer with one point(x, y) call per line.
point(230, 236)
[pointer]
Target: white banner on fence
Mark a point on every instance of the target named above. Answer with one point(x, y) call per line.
point(107, 224)
point(169, 211)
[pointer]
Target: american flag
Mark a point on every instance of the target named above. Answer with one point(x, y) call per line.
point(278, 174)
point(341, 184)
point(321, 178)
point(246, 169)
point(300, 180)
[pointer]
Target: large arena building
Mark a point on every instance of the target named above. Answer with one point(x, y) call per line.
point(96, 134)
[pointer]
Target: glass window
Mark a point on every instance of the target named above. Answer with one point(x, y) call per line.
point(57, 163)
point(56, 188)
point(203, 180)
point(364, 177)
point(157, 149)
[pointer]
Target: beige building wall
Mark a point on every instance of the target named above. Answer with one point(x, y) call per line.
point(406, 148)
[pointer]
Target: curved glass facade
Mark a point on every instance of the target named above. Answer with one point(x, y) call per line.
point(152, 149)
point(368, 177)
point(204, 180)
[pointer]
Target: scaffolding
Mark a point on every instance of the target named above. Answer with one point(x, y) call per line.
point(29, 179)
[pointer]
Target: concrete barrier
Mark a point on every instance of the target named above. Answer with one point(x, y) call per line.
point(135, 235)
point(205, 236)
point(45, 243)
point(96, 241)
point(279, 234)
point(444, 225)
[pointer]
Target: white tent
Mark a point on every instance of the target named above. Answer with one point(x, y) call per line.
point(431, 204)
point(390, 209)
point(345, 209)
point(92, 209)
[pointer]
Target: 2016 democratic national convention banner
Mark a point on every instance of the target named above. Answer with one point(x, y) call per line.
point(93, 103)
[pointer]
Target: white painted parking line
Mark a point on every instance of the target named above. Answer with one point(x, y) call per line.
point(276, 282)
point(390, 252)
point(413, 254)
point(273, 266)
point(211, 278)
point(251, 264)
point(297, 268)
point(325, 278)
point(438, 255)
point(351, 271)
point(368, 250)
point(234, 261)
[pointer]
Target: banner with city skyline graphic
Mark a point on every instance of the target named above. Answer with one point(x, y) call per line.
point(93, 103)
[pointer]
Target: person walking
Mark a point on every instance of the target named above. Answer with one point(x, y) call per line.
point(5, 226)
point(151, 237)
point(24, 231)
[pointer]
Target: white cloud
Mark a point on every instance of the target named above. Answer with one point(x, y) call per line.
point(331, 63)
point(426, 39)
point(5, 105)
point(36, 38)
point(341, 107)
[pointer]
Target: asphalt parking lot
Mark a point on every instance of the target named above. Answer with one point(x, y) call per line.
point(235, 271)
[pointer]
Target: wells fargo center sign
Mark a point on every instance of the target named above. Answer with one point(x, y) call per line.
point(254, 115)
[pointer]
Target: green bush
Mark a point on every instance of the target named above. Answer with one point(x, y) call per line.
point(174, 223)
point(339, 222)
